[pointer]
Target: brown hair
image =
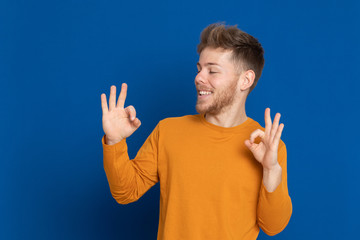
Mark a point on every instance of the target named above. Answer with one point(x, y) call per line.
point(247, 52)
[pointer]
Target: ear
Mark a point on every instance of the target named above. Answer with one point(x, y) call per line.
point(247, 79)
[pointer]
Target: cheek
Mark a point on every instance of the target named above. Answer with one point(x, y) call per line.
point(216, 82)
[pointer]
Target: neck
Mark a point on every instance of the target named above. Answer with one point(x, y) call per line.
point(231, 116)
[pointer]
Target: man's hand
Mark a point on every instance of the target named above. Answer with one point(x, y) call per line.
point(266, 151)
point(118, 123)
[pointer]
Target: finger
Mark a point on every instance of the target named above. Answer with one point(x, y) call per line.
point(250, 146)
point(268, 123)
point(104, 105)
point(255, 134)
point(136, 122)
point(278, 134)
point(248, 143)
point(122, 96)
point(275, 126)
point(112, 97)
point(131, 112)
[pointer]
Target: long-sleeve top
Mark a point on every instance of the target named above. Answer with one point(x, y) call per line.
point(210, 183)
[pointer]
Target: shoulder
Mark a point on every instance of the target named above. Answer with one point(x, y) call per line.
point(176, 127)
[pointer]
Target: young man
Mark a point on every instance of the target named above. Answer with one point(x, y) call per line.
point(216, 181)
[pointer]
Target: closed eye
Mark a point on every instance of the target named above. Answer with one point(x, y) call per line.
point(211, 72)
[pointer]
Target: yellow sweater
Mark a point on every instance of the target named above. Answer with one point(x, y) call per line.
point(210, 184)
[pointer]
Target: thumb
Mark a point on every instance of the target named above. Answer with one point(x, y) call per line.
point(136, 123)
point(249, 144)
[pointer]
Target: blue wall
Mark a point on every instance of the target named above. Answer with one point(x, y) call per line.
point(58, 57)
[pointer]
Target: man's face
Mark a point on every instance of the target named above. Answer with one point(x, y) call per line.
point(217, 78)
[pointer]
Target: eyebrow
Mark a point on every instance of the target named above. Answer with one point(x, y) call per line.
point(206, 64)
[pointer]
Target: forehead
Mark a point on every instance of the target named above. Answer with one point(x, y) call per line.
point(219, 56)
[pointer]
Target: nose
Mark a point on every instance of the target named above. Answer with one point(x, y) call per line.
point(199, 78)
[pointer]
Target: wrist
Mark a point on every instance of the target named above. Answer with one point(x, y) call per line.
point(272, 177)
point(272, 169)
point(111, 141)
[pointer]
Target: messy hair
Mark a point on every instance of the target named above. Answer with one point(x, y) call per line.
point(247, 52)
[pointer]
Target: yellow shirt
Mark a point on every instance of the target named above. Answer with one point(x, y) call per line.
point(210, 184)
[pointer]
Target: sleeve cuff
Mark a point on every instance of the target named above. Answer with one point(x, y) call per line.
point(114, 147)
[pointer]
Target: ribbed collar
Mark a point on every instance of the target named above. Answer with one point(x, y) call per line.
point(217, 128)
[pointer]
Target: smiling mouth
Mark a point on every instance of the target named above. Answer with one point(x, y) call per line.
point(204, 93)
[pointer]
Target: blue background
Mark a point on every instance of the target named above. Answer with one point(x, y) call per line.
point(58, 57)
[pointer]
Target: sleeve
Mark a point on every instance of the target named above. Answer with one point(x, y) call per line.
point(275, 208)
point(130, 179)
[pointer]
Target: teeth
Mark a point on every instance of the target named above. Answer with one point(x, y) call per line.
point(204, 93)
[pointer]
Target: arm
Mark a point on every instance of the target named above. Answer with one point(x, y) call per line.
point(130, 179)
point(275, 208)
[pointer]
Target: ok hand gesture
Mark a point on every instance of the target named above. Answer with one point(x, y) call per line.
point(118, 123)
point(266, 151)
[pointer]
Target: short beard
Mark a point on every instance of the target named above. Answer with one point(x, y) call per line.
point(224, 99)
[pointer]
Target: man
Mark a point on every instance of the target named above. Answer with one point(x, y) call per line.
point(216, 181)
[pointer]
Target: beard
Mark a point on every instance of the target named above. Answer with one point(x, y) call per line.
point(220, 99)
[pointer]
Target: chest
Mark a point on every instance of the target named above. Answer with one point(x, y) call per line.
point(208, 165)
